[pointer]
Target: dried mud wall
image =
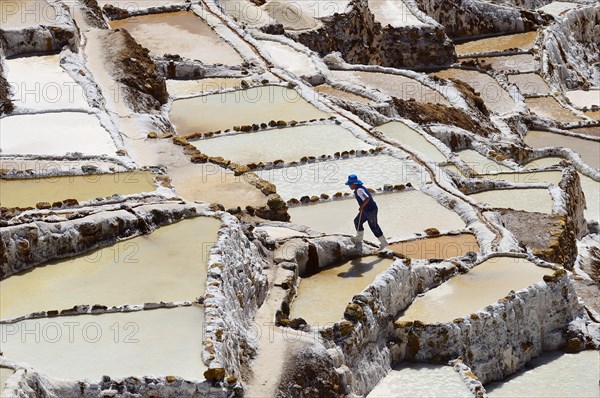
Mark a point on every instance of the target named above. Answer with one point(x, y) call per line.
point(362, 40)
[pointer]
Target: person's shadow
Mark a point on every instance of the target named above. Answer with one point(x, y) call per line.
point(360, 267)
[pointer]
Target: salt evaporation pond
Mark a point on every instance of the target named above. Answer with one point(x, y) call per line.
point(40, 83)
point(342, 282)
point(540, 163)
point(279, 233)
point(591, 189)
point(329, 177)
point(394, 85)
point(271, 145)
point(588, 150)
point(406, 135)
point(521, 41)
point(446, 246)
point(289, 59)
point(480, 164)
point(558, 8)
point(182, 88)
point(594, 115)
point(520, 62)
point(584, 98)
point(530, 84)
point(483, 285)
point(553, 374)
point(526, 199)
point(29, 192)
point(393, 13)
point(167, 265)
point(158, 342)
point(5, 373)
point(26, 13)
point(591, 131)
point(345, 95)
point(400, 214)
point(550, 108)
point(552, 177)
point(55, 134)
point(495, 97)
point(421, 380)
point(254, 105)
point(301, 15)
point(162, 34)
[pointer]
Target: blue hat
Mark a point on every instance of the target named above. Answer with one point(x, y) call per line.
point(353, 180)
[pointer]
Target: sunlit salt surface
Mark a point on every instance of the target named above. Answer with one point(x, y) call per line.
point(410, 137)
point(552, 177)
point(164, 33)
point(55, 134)
point(483, 285)
point(421, 380)
point(480, 164)
point(394, 85)
point(549, 108)
point(594, 115)
point(329, 177)
point(591, 189)
point(519, 62)
point(526, 199)
point(400, 214)
point(289, 59)
point(583, 98)
point(587, 149)
point(179, 88)
point(530, 84)
point(271, 145)
point(345, 95)
point(553, 374)
point(28, 192)
point(5, 373)
point(167, 265)
point(26, 13)
point(558, 8)
point(254, 105)
point(301, 15)
point(279, 233)
point(40, 83)
point(495, 97)
point(446, 246)
point(319, 305)
point(158, 342)
point(522, 41)
point(548, 161)
point(393, 13)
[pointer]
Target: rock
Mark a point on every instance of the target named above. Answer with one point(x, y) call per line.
point(199, 158)
point(297, 323)
point(354, 313)
point(43, 205)
point(214, 374)
point(152, 134)
point(432, 231)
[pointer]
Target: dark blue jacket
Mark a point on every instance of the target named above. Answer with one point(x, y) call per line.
point(371, 205)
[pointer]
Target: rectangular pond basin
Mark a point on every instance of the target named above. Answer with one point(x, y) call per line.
point(287, 144)
point(549, 107)
point(548, 161)
point(412, 139)
point(591, 131)
point(446, 246)
point(393, 13)
point(289, 59)
point(394, 85)
point(495, 97)
point(320, 306)
point(521, 41)
point(55, 134)
point(159, 342)
point(301, 15)
point(553, 374)
point(345, 95)
point(182, 88)
point(530, 84)
point(28, 192)
point(242, 107)
point(167, 265)
point(584, 98)
point(400, 214)
point(591, 190)
point(481, 164)
point(182, 33)
point(507, 63)
point(526, 199)
point(329, 177)
point(551, 177)
point(467, 293)
point(587, 149)
point(421, 380)
point(594, 115)
point(40, 83)
point(27, 13)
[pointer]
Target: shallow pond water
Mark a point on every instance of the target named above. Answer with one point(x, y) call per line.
point(329, 90)
point(483, 285)
point(587, 149)
point(521, 62)
point(522, 41)
point(549, 108)
point(552, 177)
point(446, 246)
point(481, 164)
point(526, 199)
point(179, 88)
point(530, 84)
point(410, 137)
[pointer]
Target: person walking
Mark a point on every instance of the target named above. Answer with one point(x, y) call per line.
point(367, 211)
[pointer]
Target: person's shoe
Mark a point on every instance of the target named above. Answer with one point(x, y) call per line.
point(383, 243)
point(359, 237)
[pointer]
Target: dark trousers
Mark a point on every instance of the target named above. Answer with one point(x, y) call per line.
point(371, 218)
